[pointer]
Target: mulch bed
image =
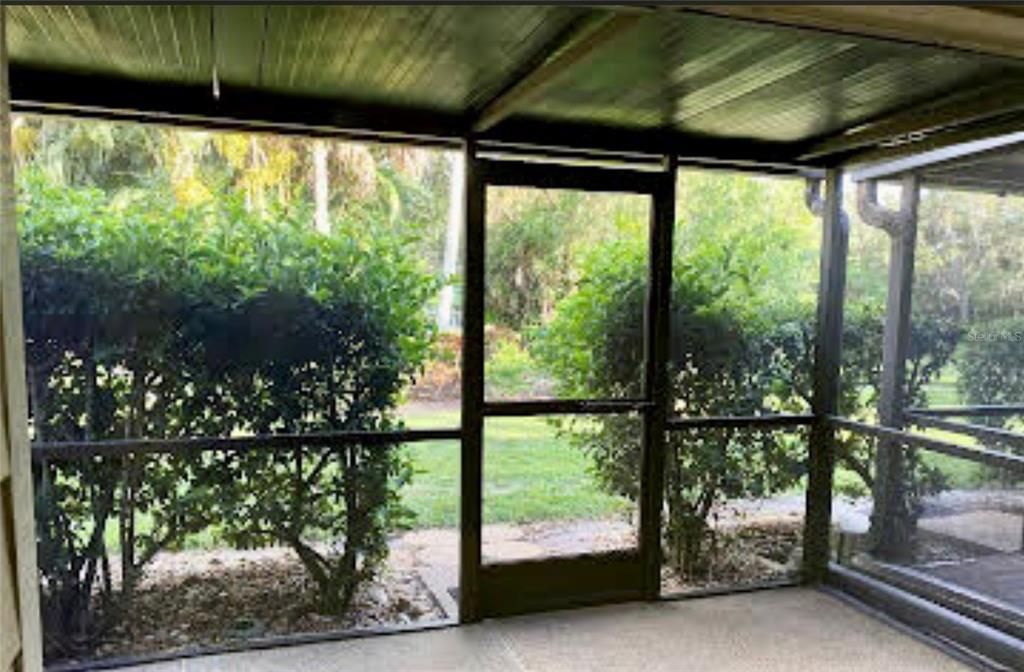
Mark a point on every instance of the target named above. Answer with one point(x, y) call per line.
point(746, 554)
point(195, 599)
point(216, 601)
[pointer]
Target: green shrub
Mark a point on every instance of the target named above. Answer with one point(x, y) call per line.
point(511, 371)
point(144, 319)
point(991, 362)
point(737, 348)
point(594, 347)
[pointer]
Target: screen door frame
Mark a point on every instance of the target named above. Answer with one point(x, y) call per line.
point(523, 586)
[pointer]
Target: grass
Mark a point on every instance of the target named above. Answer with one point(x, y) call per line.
point(530, 474)
point(960, 473)
point(943, 391)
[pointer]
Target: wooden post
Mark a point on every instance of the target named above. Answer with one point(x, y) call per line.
point(471, 511)
point(891, 519)
point(657, 387)
point(13, 400)
point(827, 359)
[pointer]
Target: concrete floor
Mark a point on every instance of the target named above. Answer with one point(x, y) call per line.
point(787, 629)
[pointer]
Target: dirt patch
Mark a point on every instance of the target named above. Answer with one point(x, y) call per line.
point(441, 378)
point(506, 542)
point(439, 381)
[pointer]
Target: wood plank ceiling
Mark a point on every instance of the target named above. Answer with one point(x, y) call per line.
point(685, 81)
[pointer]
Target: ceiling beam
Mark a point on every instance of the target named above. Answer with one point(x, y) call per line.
point(534, 82)
point(958, 144)
point(694, 148)
point(998, 187)
point(979, 29)
point(993, 100)
point(242, 109)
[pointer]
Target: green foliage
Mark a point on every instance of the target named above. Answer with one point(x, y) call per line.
point(728, 344)
point(106, 156)
point(535, 240)
point(742, 323)
point(147, 319)
point(528, 259)
point(970, 261)
point(511, 371)
point(605, 312)
point(992, 362)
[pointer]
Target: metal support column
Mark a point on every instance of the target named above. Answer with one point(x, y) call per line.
point(656, 381)
point(471, 509)
point(827, 358)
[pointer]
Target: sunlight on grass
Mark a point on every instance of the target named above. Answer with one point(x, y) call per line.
point(530, 474)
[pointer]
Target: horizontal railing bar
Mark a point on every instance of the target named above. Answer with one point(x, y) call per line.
point(741, 421)
point(563, 407)
point(983, 608)
point(993, 458)
point(113, 447)
point(953, 411)
point(969, 428)
point(985, 641)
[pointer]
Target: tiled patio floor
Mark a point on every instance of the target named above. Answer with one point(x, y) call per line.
point(795, 629)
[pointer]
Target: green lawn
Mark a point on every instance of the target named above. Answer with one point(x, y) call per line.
point(960, 473)
point(943, 391)
point(530, 474)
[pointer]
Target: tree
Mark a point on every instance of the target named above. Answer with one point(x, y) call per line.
point(105, 156)
point(970, 252)
point(535, 241)
point(449, 264)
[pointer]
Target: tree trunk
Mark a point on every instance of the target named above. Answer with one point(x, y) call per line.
point(335, 584)
point(353, 524)
point(449, 265)
point(38, 393)
point(320, 187)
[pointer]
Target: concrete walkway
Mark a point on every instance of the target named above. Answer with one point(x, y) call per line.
point(781, 630)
